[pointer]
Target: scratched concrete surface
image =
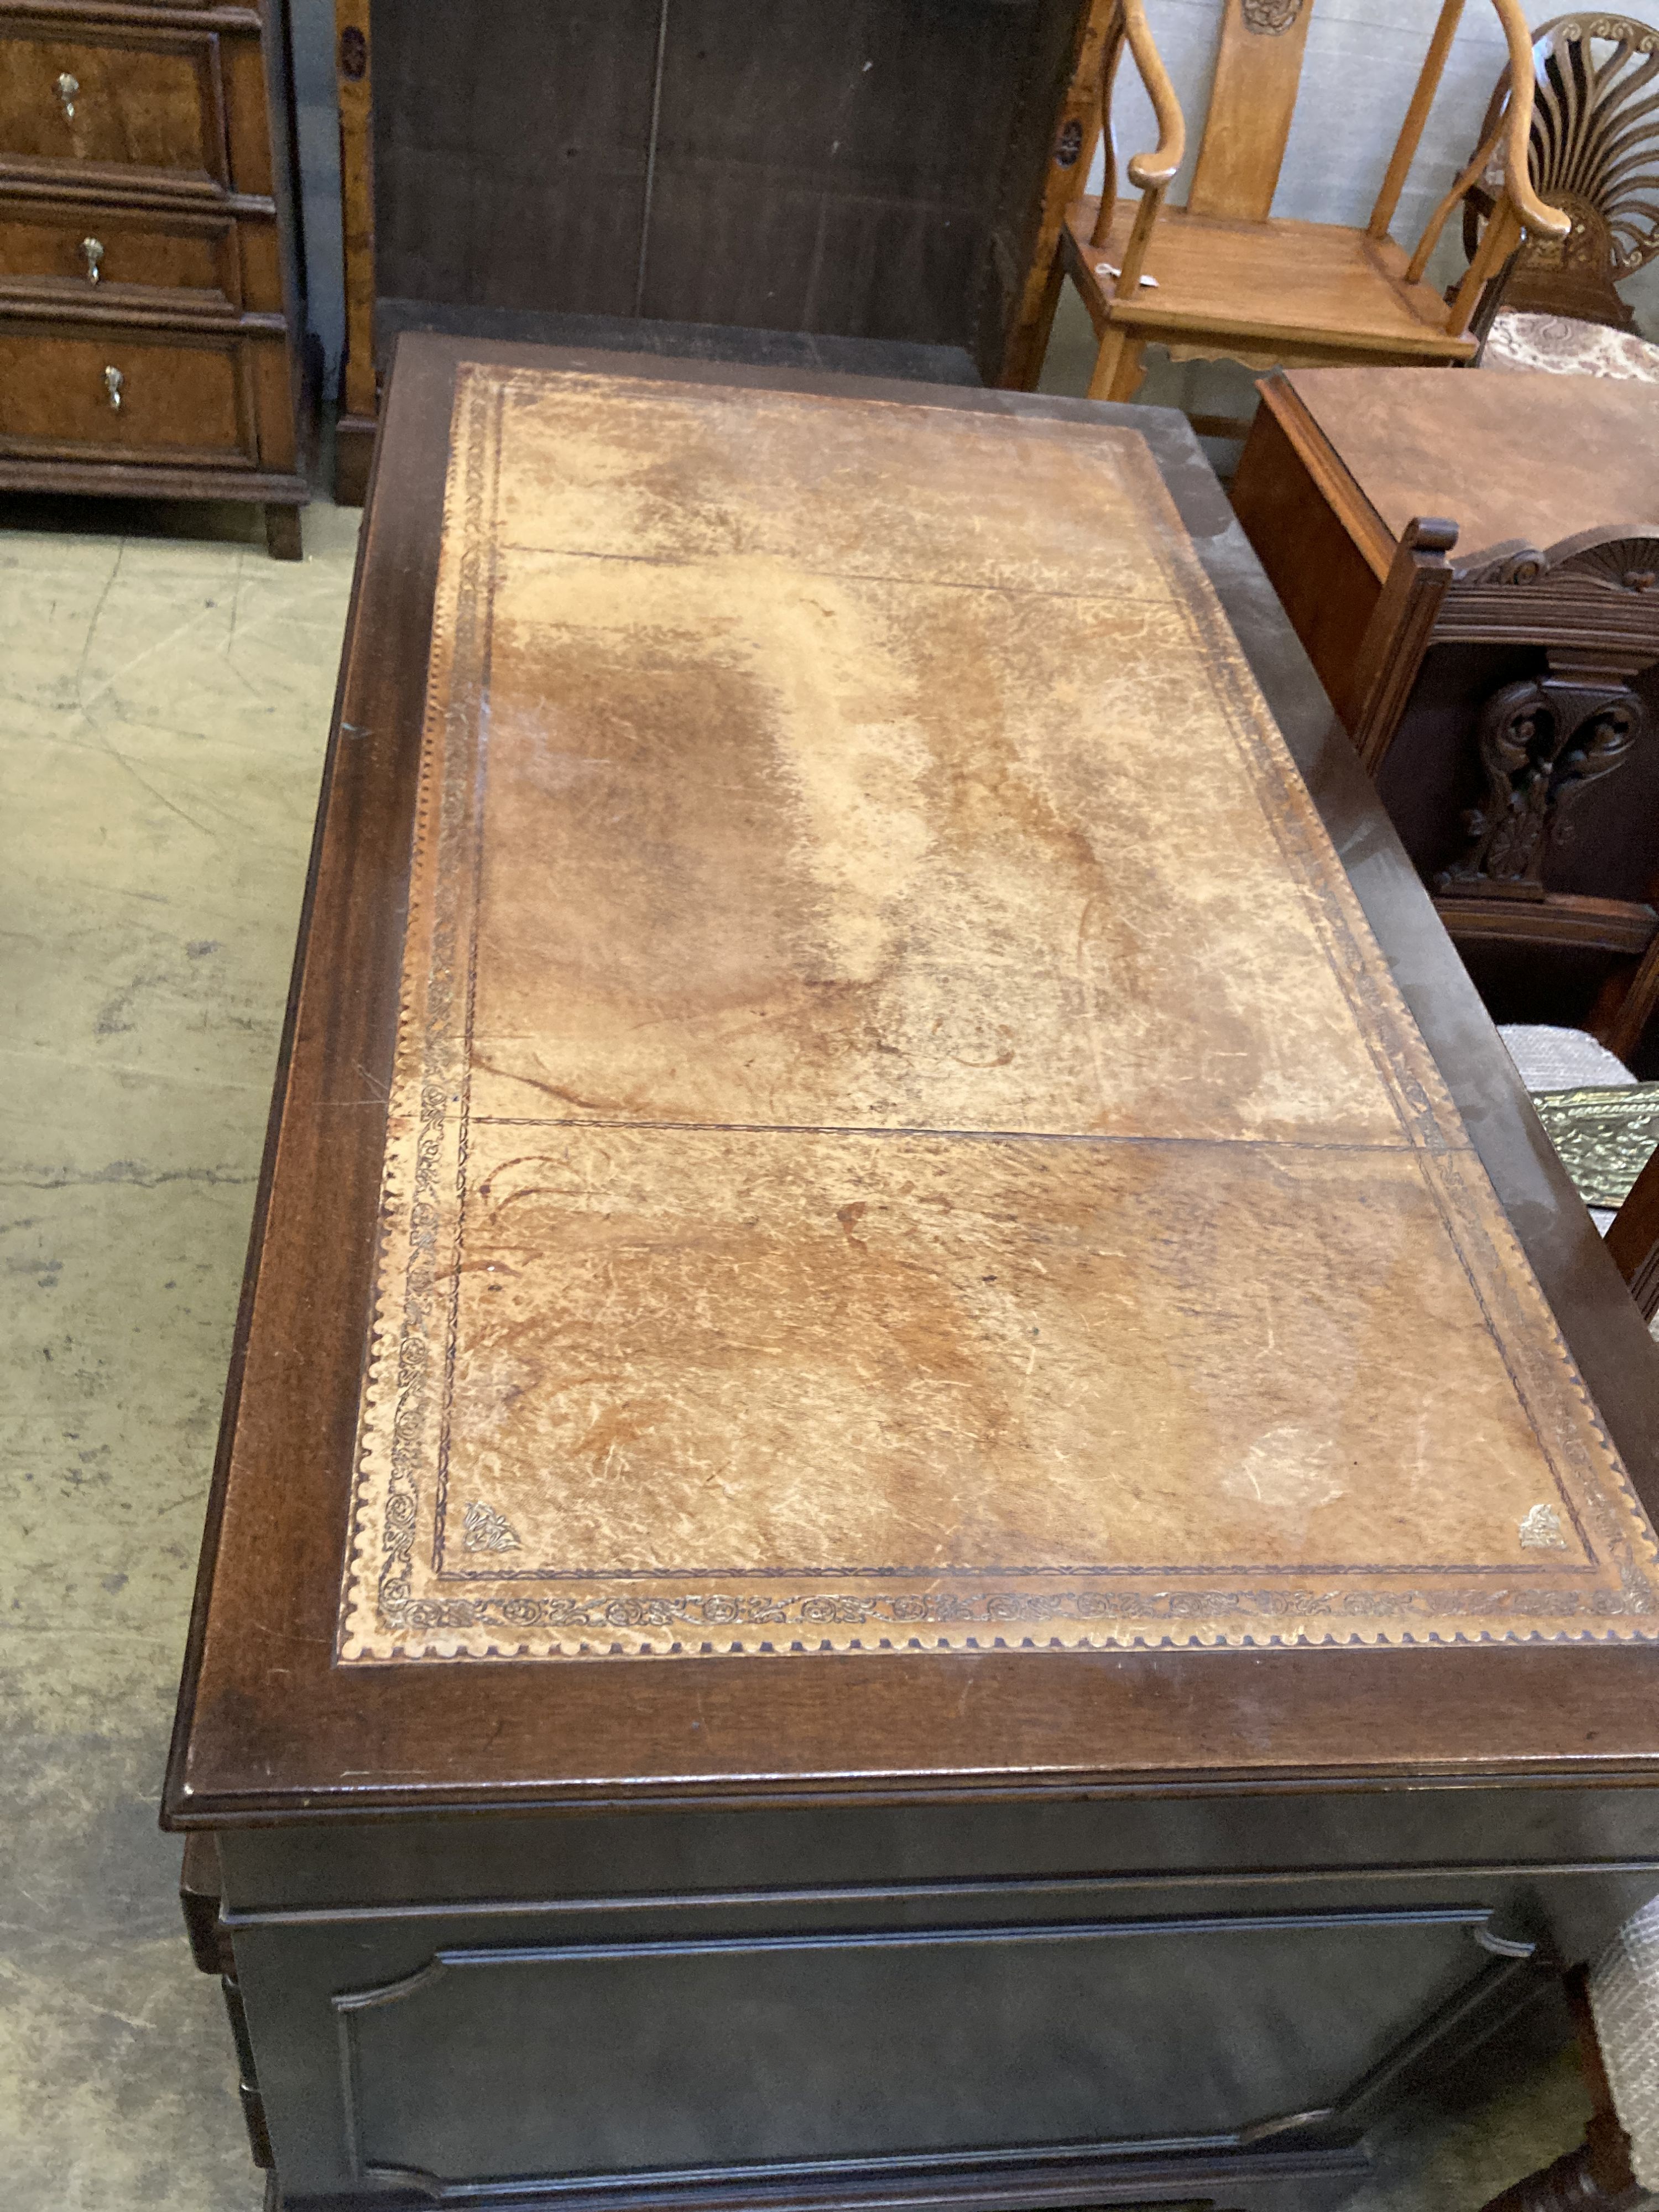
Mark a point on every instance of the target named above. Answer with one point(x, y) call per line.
point(164, 699)
point(164, 704)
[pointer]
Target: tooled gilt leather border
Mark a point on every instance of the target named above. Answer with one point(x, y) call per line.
point(382, 1616)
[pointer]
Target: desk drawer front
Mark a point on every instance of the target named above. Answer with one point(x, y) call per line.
point(187, 262)
point(117, 395)
point(121, 100)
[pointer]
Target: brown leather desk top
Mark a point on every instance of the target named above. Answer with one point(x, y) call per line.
point(1506, 455)
point(901, 1153)
point(902, 1139)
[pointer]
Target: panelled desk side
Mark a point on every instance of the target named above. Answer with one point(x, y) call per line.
point(1410, 1838)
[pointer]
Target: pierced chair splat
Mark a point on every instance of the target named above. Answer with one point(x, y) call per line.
point(1594, 152)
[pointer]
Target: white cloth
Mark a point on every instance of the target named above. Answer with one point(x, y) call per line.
point(1569, 346)
point(1624, 1995)
point(1561, 1060)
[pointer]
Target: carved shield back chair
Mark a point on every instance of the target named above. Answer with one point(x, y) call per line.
point(1498, 673)
point(1595, 153)
point(1222, 276)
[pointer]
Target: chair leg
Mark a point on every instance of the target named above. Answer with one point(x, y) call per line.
point(1119, 368)
point(1597, 2176)
point(1594, 2178)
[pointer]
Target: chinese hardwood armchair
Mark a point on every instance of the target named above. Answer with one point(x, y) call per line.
point(1222, 276)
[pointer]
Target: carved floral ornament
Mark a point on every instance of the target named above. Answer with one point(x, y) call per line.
point(1271, 18)
point(1541, 743)
point(1613, 26)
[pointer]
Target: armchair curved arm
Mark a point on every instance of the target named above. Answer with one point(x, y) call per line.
point(1152, 171)
point(1513, 125)
point(1542, 220)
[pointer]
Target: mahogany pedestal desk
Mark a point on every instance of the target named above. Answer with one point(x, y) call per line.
point(914, 1509)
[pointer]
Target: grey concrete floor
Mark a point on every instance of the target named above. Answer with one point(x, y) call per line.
point(164, 701)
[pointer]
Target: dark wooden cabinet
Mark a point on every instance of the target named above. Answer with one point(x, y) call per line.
point(152, 320)
point(868, 170)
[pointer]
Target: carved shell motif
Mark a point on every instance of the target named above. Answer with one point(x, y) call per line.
point(1623, 564)
point(1270, 17)
point(1595, 137)
point(1604, 558)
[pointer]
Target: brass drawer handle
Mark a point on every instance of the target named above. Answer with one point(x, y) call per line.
point(94, 250)
point(113, 380)
point(67, 86)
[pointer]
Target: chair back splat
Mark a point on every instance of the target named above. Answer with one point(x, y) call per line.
point(1258, 73)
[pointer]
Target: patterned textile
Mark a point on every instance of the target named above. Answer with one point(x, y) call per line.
point(1624, 1995)
point(1563, 343)
point(1604, 1136)
point(1560, 1059)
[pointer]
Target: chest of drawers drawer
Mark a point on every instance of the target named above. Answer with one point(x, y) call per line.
point(136, 106)
point(86, 255)
point(116, 395)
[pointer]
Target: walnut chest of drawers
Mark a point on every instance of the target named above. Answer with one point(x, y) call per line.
point(151, 304)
